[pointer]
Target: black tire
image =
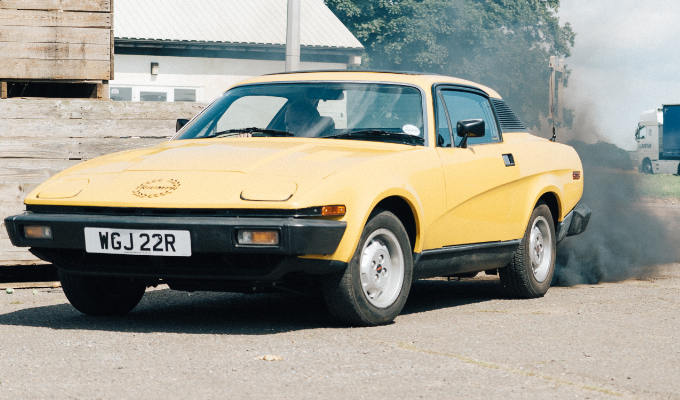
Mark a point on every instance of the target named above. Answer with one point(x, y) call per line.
point(678, 169)
point(518, 278)
point(344, 293)
point(647, 167)
point(99, 295)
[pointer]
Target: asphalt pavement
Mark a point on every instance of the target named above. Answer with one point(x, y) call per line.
point(459, 339)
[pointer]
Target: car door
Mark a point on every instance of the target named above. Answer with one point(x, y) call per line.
point(478, 177)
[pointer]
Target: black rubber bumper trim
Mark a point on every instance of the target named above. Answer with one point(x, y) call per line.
point(299, 236)
point(575, 222)
point(216, 267)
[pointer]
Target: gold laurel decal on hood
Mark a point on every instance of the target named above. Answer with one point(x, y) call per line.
point(156, 188)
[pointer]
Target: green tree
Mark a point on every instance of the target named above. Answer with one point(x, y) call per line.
point(505, 44)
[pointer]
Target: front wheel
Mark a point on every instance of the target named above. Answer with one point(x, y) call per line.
point(647, 167)
point(374, 287)
point(533, 265)
point(101, 295)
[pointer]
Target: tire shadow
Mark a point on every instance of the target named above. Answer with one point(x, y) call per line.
point(164, 310)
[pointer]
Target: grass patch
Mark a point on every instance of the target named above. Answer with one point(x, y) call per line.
point(660, 186)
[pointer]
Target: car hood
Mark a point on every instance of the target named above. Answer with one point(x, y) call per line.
point(209, 172)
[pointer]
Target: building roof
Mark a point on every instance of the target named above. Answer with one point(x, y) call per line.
point(257, 22)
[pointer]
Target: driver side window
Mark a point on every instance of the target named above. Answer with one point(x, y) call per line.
point(461, 106)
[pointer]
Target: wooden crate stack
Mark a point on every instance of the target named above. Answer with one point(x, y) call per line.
point(56, 41)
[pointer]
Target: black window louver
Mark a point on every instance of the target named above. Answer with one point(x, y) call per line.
point(506, 117)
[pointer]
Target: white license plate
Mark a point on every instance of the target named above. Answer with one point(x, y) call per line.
point(138, 242)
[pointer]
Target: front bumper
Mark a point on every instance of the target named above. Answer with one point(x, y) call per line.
point(215, 252)
point(574, 223)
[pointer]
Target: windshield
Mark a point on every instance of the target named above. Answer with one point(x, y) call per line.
point(360, 111)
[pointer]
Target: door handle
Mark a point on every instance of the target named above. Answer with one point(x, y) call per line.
point(509, 160)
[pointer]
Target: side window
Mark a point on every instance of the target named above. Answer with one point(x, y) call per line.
point(464, 105)
point(442, 124)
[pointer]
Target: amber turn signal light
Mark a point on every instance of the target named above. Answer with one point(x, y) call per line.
point(258, 237)
point(333, 211)
point(37, 232)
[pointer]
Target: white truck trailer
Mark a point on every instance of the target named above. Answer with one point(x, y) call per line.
point(658, 140)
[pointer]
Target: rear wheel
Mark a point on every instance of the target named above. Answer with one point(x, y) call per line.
point(533, 265)
point(99, 295)
point(374, 287)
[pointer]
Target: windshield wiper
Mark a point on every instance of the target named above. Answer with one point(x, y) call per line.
point(379, 134)
point(256, 131)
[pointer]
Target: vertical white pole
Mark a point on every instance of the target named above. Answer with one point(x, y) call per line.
point(293, 36)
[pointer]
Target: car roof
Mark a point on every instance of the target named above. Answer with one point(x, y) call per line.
point(423, 80)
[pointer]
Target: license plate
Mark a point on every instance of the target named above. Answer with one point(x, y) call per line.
point(138, 242)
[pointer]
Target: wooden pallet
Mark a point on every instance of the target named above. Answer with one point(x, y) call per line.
point(23, 88)
point(69, 42)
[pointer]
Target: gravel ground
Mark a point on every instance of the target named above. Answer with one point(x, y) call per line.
point(454, 340)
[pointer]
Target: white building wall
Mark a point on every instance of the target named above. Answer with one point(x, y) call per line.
point(209, 76)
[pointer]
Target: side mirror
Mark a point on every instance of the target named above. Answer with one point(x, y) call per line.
point(469, 128)
point(180, 123)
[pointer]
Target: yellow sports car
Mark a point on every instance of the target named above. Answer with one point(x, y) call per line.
point(355, 183)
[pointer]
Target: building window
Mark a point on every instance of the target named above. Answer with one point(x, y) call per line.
point(121, 93)
point(185, 95)
point(153, 96)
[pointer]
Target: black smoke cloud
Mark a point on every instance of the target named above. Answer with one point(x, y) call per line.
point(624, 239)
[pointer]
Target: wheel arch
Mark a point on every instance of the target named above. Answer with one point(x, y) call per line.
point(551, 196)
point(405, 211)
point(552, 200)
